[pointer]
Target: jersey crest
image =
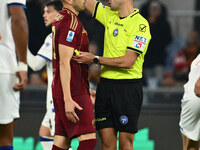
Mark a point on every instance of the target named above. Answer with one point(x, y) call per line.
point(115, 32)
point(58, 17)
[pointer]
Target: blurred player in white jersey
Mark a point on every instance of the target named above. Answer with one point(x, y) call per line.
point(190, 113)
point(44, 57)
point(13, 72)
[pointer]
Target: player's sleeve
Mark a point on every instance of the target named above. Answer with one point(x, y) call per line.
point(46, 50)
point(139, 41)
point(21, 3)
point(35, 62)
point(69, 32)
point(101, 13)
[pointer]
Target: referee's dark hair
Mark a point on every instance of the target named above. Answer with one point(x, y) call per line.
point(57, 4)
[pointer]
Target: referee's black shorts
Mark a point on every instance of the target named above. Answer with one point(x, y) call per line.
point(118, 104)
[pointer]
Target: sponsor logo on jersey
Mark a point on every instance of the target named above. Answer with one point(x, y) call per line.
point(139, 42)
point(70, 36)
point(142, 28)
point(123, 120)
point(100, 119)
point(118, 24)
point(115, 32)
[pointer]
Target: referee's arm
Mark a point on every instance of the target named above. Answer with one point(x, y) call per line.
point(125, 61)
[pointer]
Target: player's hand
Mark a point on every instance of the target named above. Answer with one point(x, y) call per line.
point(23, 80)
point(84, 58)
point(93, 96)
point(197, 88)
point(70, 106)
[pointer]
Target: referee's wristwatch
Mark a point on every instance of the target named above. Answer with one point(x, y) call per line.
point(96, 59)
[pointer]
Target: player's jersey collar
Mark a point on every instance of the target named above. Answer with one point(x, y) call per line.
point(67, 9)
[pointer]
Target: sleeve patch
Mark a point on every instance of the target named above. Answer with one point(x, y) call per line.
point(139, 42)
point(70, 36)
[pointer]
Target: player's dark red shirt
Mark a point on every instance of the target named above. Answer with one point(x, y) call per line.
point(68, 30)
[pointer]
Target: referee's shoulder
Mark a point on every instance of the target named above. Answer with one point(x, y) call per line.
point(141, 19)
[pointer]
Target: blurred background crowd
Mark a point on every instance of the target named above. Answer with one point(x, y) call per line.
point(175, 30)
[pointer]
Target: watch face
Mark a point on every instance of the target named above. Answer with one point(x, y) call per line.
point(96, 60)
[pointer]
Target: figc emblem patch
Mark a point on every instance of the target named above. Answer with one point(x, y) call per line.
point(70, 36)
point(123, 120)
point(115, 32)
point(139, 42)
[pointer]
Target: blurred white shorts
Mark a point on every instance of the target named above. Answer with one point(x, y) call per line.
point(9, 99)
point(190, 117)
point(49, 121)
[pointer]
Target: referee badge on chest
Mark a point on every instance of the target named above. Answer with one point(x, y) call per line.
point(123, 120)
point(115, 32)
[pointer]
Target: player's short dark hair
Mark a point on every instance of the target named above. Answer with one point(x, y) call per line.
point(57, 4)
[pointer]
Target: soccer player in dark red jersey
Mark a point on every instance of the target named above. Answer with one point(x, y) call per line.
point(74, 116)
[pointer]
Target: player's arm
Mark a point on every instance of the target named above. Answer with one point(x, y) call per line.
point(20, 35)
point(36, 62)
point(125, 61)
point(19, 31)
point(66, 53)
point(197, 88)
point(90, 5)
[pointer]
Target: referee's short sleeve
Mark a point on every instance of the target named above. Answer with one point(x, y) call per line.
point(139, 41)
point(101, 13)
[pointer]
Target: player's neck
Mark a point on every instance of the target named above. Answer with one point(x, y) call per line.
point(71, 9)
point(125, 10)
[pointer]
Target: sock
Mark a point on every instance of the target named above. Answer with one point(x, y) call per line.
point(57, 148)
point(46, 142)
point(6, 147)
point(87, 144)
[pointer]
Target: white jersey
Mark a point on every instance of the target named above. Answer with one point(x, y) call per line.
point(8, 62)
point(46, 52)
point(193, 77)
point(190, 113)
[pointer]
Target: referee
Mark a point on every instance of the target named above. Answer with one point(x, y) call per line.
point(119, 93)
